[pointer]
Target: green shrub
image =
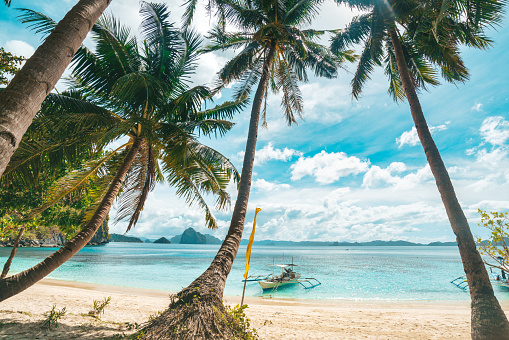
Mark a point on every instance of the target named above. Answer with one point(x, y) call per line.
point(52, 317)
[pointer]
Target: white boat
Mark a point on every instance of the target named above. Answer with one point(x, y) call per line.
point(501, 279)
point(288, 277)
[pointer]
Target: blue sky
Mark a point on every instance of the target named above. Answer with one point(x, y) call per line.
point(351, 170)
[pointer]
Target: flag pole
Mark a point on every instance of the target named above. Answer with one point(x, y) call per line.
point(243, 291)
point(248, 255)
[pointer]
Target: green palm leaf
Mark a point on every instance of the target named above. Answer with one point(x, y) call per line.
point(73, 181)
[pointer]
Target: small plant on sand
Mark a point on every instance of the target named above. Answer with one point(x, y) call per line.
point(52, 317)
point(241, 323)
point(99, 307)
point(132, 326)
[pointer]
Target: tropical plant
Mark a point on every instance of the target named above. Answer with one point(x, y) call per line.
point(22, 192)
point(53, 317)
point(99, 307)
point(9, 65)
point(496, 245)
point(274, 52)
point(138, 93)
point(22, 98)
point(413, 39)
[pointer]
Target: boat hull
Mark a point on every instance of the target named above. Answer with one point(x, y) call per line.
point(266, 285)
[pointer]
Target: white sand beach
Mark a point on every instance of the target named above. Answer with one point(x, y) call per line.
point(21, 316)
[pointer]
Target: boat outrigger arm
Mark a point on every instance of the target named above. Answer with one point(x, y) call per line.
point(252, 278)
point(496, 279)
point(309, 282)
point(460, 282)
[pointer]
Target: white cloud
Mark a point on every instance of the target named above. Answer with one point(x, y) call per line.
point(263, 185)
point(377, 175)
point(328, 167)
point(321, 102)
point(19, 48)
point(477, 107)
point(493, 157)
point(411, 138)
point(495, 130)
point(268, 152)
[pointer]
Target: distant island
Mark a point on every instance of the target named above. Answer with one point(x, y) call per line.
point(389, 244)
point(162, 240)
point(376, 243)
point(191, 236)
point(123, 238)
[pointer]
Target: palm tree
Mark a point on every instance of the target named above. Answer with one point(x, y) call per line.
point(134, 91)
point(432, 32)
point(22, 98)
point(275, 51)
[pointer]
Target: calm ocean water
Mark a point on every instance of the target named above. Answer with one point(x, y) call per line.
point(363, 273)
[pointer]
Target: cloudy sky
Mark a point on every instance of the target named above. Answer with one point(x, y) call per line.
point(351, 170)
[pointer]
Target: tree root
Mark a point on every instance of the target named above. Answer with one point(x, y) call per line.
point(195, 314)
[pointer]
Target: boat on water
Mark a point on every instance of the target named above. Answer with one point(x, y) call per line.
point(501, 280)
point(288, 277)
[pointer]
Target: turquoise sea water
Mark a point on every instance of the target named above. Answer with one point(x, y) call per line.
point(363, 273)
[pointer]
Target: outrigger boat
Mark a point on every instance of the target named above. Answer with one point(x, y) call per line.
point(501, 280)
point(288, 277)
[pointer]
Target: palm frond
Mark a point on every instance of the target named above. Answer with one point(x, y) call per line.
point(364, 68)
point(37, 22)
point(225, 110)
point(287, 81)
point(116, 55)
point(163, 39)
point(356, 31)
point(73, 181)
point(139, 181)
point(190, 8)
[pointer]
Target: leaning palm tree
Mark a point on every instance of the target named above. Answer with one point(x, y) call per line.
point(22, 98)
point(137, 96)
point(413, 39)
point(274, 52)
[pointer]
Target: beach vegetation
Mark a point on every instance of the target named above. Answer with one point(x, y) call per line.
point(22, 193)
point(496, 246)
point(24, 94)
point(99, 306)
point(9, 65)
point(416, 41)
point(53, 317)
point(139, 97)
point(274, 53)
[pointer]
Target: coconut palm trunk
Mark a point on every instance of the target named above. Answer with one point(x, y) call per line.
point(488, 319)
point(22, 98)
point(15, 284)
point(15, 246)
point(206, 292)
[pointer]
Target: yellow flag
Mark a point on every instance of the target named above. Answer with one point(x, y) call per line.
point(251, 239)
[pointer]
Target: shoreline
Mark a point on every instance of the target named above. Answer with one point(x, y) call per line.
point(274, 318)
point(236, 298)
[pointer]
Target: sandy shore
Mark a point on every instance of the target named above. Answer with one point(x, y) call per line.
point(21, 316)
